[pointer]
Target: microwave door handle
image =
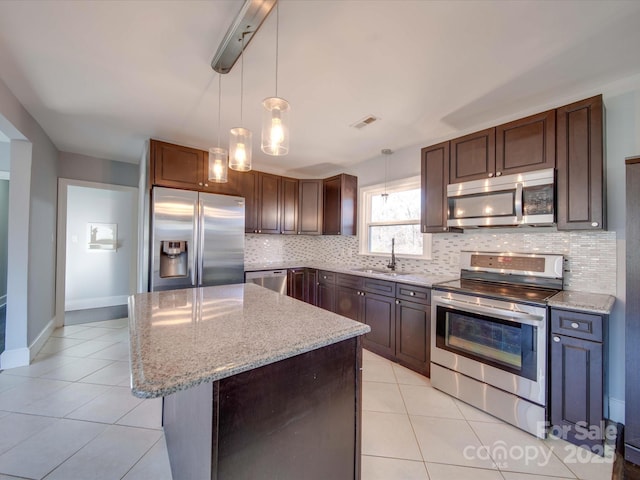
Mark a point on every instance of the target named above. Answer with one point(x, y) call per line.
point(518, 202)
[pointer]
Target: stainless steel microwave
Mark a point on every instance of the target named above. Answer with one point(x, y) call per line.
point(510, 200)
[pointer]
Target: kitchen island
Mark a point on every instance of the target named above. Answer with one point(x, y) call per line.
point(255, 384)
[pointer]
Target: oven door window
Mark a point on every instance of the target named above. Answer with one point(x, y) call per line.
point(507, 345)
point(481, 205)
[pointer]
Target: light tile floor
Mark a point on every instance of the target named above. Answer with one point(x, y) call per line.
point(70, 416)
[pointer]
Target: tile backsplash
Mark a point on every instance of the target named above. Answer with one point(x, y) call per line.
point(590, 257)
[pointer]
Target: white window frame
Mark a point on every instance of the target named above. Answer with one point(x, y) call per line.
point(364, 214)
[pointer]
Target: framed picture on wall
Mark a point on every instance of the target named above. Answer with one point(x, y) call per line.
point(102, 236)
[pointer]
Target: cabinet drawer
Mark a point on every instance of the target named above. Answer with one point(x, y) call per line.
point(326, 277)
point(351, 281)
point(381, 287)
point(587, 326)
point(413, 293)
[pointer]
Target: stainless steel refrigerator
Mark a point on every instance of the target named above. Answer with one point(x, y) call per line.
point(197, 239)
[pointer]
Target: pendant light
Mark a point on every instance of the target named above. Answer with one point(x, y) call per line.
point(275, 116)
point(218, 156)
point(239, 137)
point(386, 152)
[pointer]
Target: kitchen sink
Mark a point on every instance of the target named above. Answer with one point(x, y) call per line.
point(374, 271)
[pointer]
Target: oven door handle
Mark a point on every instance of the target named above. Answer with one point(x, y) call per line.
point(519, 317)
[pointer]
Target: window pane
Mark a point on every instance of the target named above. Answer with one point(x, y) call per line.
point(403, 205)
point(408, 239)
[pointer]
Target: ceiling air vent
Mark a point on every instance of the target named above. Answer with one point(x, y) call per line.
point(368, 120)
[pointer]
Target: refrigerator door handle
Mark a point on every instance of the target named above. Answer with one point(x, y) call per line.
point(200, 241)
point(194, 241)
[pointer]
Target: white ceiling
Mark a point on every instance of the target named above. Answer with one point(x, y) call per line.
point(102, 77)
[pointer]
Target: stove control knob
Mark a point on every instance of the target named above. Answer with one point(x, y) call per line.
point(556, 339)
point(575, 325)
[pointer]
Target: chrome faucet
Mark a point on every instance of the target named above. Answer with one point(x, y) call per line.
point(392, 262)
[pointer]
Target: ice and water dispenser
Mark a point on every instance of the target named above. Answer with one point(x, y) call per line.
point(173, 258)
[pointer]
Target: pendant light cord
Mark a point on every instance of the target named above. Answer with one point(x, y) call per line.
point(277, 43)
point(242, 75)
point(219, 105)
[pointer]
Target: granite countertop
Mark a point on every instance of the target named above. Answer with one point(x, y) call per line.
point(181, 338)
point(583, 301)
point(411, 278)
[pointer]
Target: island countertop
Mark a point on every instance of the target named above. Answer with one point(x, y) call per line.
point(181, 338)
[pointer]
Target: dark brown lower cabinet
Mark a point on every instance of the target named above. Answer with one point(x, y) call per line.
point(302, 284)
point(296, 418)
point(577, 378)
point(413, 336)
point(379, 314)
point(348, 303)
point(326, 290)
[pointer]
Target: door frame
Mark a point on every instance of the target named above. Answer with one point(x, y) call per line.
point(61, 253)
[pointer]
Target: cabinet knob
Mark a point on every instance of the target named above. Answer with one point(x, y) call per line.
point(413, 294)
point(298, 233)
point(259, 231)
point(206, 184)
point(255, 231)
point(200, 183)
point(498, 174)
point(594, 224)
point(556, 339)
point(444, 229)
point(575, 325)
point(491, 175)
point(397, 302)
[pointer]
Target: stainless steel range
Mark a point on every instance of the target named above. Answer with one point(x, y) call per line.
point(489, 334)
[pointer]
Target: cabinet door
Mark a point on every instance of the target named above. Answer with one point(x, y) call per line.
point(326, 296)
point(248, 187)
point(581, 166)
point(473, 156)
point(311, 286)
point(232, 185)
point(289, 206)
point(176, 166)
point(348, 302)
point(379, 314)
point(526, 144)
point(413, 327)
point(576, 387)
point(435, 178)
point(269, 197)
point(340, 205)
point(296, 283)
point(310, 207)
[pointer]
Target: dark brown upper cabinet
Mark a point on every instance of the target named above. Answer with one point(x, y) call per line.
point(580, 164)
point(340, 205)
point(289, 206)
point(435, 178)
point(310, 207)
point(526, 144)
point(176, 166)
point(269, 195)
point(473, 157)
point(248, 188)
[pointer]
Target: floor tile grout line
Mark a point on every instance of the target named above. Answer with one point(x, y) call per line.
point(161, 439)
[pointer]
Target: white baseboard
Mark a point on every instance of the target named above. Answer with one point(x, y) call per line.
point(17, 357)
point(98, 302)
point(616, 410)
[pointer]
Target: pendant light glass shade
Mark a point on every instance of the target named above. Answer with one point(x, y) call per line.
point(240, 149)
point(218, 165)
point(275, 126)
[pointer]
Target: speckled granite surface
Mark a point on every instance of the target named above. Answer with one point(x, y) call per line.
point(421, 279)
point(583, 301)
point(181, 338)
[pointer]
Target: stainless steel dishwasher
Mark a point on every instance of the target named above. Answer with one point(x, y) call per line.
point(275, 280)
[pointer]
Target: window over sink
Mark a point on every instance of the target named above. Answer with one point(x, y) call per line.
point(392, 210)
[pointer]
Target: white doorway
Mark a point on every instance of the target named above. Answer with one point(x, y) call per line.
point(97, 248)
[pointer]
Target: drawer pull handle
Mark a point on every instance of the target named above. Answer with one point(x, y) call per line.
point(575, 325)
point(413, 294)
point(556, 339)
point(397, 302)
